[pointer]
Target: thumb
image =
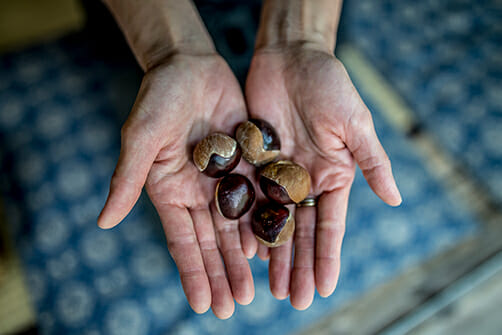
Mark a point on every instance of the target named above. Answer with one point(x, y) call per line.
point(362, 141)
point(137, 155)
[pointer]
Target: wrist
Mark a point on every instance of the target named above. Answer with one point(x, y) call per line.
point(162, 54)
point(286, 23)
point(157, 29)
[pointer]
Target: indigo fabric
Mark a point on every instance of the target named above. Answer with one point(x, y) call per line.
point(61, 109)
point(445, 59)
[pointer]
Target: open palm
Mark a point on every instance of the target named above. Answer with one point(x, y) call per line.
point(324, 126)
point(180, 102)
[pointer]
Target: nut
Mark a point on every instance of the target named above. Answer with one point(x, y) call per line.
point(216, 155)
point(285, 182)
point(273, 224)
point(234, 196)
point(259, 141)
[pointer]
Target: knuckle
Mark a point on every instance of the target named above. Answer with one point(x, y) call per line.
point(127, 131)
point(227, 228)
point(334, 257)
point(181, 242)
point(374, 162)
point(362, 121)
point(217, 276)
point(230, 251)
point(306, 244)
point(305, 234)
point(208, 245)
point(192, 272)
point(331, 228)
point(136, 133)
point(302, 267)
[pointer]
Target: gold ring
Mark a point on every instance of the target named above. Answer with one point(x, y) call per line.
point(308, 202)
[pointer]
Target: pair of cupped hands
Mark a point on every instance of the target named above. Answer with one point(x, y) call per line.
point(308, 97)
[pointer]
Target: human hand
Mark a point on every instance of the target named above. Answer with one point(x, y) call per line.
point(180, 101)
point(323, 124)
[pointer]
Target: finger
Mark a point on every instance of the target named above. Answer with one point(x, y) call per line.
point(263, 252)
point(184, 248)
point(222, 302)
point(248, 240)
point(279, 270)
point(137, 155)
point(302, 276)
point(331, 214)
point(369, 154)
point(239, 273)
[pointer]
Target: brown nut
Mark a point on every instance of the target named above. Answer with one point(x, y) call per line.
point(285, 182)
point(273, 224)
point(259, 141)
point(216, 155)
point(234, 196)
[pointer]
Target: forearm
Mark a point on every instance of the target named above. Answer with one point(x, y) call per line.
point(286, 22)
point(156, 29)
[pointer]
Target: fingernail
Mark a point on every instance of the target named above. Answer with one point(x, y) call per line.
point(103, 223)
point(398, 197)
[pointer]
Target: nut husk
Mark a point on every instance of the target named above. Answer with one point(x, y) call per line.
point(290, 178)
point(251, 140)
point(216, 154)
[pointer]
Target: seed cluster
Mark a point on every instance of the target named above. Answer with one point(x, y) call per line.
point(282, 182)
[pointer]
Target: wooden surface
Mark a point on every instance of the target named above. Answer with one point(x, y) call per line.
point(16, 311)
point(390, 304)
point(26, 22)
point(478, 311)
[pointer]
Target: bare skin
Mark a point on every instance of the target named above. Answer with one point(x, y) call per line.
point(181, 101)
point(325, 127)
point(296, 83)
point(188, 92)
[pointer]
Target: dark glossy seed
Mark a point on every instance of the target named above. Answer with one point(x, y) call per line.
point(274, 191)
point(271, 140)
point(219, 166)
point(259, 142)
point(234, 196)
point(216, 155)
point(285, 182)
point(273, 224)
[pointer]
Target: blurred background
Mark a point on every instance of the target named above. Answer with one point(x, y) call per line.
point(430, 71)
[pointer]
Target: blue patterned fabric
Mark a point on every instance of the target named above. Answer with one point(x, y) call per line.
point(232, 25)
point(60, 139)
point(61, 108)
point(445, 58)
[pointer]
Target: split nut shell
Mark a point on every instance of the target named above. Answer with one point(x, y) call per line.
point(259, 141)
point(285, 182)
point(273, 224)
point(216, 155)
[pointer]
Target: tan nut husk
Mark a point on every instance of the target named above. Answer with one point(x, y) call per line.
point(216, 202)
point(284, 236)
point(291, 176)
point(250, 139)
point(216, 143)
